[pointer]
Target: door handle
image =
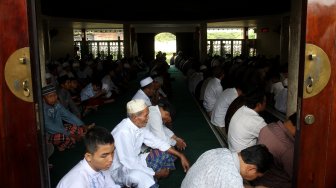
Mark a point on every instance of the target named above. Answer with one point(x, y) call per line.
point(317, 71)
point(18, 74)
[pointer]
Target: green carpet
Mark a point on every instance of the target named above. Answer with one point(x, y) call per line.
point(189, 124)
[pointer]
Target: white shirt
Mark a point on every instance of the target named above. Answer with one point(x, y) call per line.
point(128, 139)
point(221, 106)
point(156, 126)
point(87, 92)
point(109, 86)
point(212, 92)
point(244, 129)
point(216, 168)
point(281, 100)
point(142, 95)
point(83, 176)
point(194, 80)
point(276, 87)
point(204, 85)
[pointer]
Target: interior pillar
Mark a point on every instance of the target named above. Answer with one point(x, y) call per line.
point(127, 40)
point(203, 42)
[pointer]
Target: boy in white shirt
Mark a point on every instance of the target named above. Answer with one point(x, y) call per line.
point(158, 119)
point(92, 171)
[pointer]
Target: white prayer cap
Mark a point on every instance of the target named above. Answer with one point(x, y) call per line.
point(75, 64)
point(135, 105)
point(62, 73)
point(203, 67)
point(47, 75)
point(285, 82)
point(146, 81)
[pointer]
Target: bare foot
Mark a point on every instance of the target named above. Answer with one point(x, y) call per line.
point(162, 173)
point(90, 126)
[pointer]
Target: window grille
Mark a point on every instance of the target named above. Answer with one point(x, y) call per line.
point(103, 41)
point(237, 48)
point(230, 41)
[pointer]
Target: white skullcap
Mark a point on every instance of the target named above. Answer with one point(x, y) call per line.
point(203, 67)
point(47, 75)
point(76, 64)
point(135, 105)
point(63, 73)
point(285, 82)
point(146, 81)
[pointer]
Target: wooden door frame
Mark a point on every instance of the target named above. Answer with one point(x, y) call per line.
point(23, 159)
point(315, 144)
point(36, 48)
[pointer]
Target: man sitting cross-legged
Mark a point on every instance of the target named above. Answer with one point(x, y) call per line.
point(64, 95)
point(92, 96)
point(61, 135)
point(92, 171)
point(146, 91)
point(132, 168)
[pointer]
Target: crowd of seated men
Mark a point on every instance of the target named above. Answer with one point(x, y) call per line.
point(234, 92)
point(75, 87)
point(143, 149)
point(265, 72)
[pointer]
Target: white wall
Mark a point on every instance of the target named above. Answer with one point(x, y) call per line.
point(62, 43)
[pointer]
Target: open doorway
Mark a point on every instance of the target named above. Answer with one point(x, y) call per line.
point(166, 43)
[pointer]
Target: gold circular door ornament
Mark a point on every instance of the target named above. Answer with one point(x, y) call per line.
point(317, 71)
point(18, 74)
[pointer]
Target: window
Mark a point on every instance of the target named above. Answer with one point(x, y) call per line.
point(230, 41)
point(225, 33)
point(103, 41)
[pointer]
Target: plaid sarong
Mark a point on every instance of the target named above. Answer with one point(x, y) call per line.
point(157, 160)
point(62, 141)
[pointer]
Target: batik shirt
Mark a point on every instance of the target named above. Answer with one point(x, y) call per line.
point(54, 117)
point(216, 168)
